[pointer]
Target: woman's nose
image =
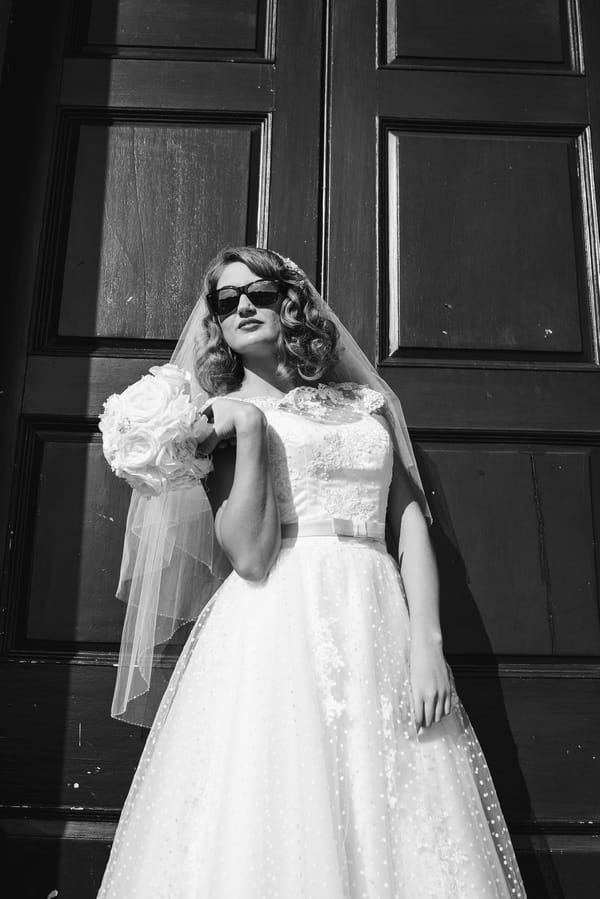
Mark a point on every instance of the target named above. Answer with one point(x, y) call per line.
point(245, 304)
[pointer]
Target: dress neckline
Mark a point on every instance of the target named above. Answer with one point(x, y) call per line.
point(284, 396)
point(333, 395)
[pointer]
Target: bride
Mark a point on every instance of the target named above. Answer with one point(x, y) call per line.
point(310, 743)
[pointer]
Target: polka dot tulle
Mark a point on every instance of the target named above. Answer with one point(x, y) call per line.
point(285, 762)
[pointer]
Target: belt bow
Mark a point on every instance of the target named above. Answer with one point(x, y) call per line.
point(359, 528)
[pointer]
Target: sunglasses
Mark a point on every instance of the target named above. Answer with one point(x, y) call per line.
point(225, 300)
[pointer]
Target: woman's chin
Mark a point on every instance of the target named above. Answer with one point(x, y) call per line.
point(252, 341)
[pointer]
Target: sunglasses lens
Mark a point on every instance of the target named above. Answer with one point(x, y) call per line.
point(263, 293)
point(225, 301)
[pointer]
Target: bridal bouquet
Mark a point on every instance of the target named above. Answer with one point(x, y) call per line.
point(151, 432)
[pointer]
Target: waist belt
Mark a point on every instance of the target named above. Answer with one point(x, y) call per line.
point(335, 527)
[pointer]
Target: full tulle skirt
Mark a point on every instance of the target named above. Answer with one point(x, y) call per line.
point(285, 760)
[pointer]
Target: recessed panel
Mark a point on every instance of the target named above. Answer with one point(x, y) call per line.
point(484, 246)
point(539, 735)
point(500, 32)
point(540, 740)
point(182, 24)
point(76, 537)
point(514, 532)
point(151, 205)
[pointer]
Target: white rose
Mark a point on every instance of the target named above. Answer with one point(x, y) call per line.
point(174, 375)
point(183, 411)
point(110, 451)
point(112, 413)
point(175, 423)
point(108, 425)
point(138, 448)
point(145, 400)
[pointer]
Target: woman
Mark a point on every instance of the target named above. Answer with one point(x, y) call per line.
point(311, 742)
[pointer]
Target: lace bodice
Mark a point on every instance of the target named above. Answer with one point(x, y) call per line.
point(330, 452)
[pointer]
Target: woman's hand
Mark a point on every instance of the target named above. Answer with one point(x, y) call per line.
point(229, 418)
point(430, 680)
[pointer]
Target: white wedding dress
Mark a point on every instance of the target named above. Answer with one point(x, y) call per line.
point(284, 762)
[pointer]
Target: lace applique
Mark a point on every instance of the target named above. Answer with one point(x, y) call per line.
point(328, 661)
point(371, 400)
point(387, 729)
point(443, 856)
point(336, 454)
point(335, 470)
point(325, 400)
point(351, 503)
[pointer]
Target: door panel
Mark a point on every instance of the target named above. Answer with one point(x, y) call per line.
point(158, 211)
point(534, 585)
point(147, 208)
point(211, 27)
point(484, 33)
point(502, 216)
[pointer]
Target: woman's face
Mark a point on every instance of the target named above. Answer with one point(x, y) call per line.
point(249, 330)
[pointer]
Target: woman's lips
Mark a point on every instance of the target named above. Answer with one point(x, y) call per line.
point(250, 323)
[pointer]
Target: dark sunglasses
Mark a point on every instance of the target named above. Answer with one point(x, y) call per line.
point(225, 300)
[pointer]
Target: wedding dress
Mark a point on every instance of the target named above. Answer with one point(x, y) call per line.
point(284, 761)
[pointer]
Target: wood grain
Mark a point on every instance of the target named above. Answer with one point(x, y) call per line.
point(151, 205)
point(212, 24)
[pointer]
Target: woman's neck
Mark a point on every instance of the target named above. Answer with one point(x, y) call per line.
point(262, 379)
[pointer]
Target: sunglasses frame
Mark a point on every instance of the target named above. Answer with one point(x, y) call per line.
point(212, 298)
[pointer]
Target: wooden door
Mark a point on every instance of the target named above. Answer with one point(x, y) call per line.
point(433, 165)
point(462, 249)
point(143, 137)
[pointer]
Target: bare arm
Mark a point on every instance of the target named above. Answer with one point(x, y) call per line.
point(241, 491)
point(429, 676)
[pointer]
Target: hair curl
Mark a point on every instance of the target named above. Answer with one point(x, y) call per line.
point(307, 340)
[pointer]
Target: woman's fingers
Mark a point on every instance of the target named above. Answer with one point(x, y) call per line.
point(419, 716)
point(431, 709)
point(424, 711)
point(429, 706)
point(207, 445)
point(439, 709)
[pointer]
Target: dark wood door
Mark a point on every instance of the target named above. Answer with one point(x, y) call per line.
point(463, 251)
point(432, 165)
point(143, 137)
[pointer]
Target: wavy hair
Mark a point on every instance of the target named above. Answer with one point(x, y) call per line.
point(307, 340)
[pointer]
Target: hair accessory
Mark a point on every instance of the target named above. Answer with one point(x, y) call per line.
point(289, 263)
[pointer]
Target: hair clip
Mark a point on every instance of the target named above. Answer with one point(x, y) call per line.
point(289, 263)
